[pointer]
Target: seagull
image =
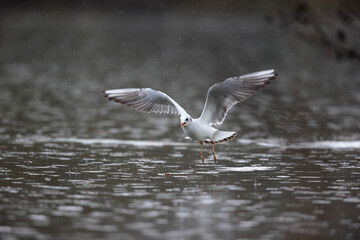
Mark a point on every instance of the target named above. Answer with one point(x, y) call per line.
point(221, 97)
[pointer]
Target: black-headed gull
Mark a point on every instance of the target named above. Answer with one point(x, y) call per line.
point(220, 98)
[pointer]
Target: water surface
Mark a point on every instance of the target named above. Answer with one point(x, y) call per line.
point(74, 166)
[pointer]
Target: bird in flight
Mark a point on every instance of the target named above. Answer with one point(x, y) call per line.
point(221, 97)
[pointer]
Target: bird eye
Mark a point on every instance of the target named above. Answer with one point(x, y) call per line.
point(187, 119)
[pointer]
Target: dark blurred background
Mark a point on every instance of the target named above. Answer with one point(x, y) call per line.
point(57, 56)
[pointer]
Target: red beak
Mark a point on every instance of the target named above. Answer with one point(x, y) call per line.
point(182, 125)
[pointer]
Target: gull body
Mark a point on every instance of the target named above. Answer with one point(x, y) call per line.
point(221, 97)
point(199, 131)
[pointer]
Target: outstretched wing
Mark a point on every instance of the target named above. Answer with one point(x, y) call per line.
point(222, 96)
point(145, 100)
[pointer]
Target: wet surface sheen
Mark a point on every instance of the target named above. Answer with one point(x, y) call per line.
point(75, 188)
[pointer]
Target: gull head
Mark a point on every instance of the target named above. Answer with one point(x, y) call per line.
point(185, 120)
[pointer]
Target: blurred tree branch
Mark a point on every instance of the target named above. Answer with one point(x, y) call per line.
point(333, 25)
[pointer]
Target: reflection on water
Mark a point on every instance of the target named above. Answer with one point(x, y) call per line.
point(115, 189)
point(74, 166)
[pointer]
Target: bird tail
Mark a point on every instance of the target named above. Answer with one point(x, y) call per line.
point(222, 136)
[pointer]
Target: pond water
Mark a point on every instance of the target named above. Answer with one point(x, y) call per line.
point(75, 166)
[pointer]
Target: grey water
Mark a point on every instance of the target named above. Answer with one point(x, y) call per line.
point(75, 166)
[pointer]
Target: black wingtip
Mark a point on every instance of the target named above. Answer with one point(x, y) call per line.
point(105, 94)
point(273, 77)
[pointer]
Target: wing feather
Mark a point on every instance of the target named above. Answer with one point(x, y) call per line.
point(222, 96)
point(145, 100)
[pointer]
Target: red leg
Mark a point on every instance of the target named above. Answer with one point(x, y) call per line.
point(214, 151)
point(201, 154)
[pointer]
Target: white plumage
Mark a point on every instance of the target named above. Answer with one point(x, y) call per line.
point(221, 97)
